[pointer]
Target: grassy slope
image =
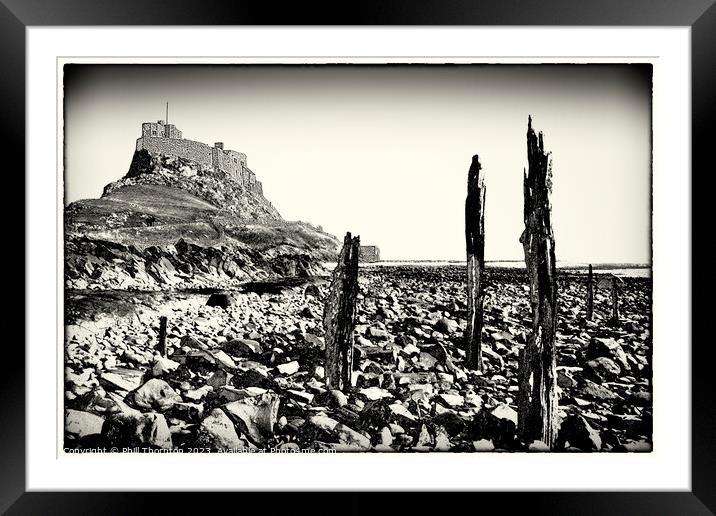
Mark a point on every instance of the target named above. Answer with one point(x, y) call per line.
point(164, 203)
point(145, 215)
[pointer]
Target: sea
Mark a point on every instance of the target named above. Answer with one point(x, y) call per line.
point(617, 269)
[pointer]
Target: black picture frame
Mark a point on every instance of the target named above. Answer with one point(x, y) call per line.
point(700, 15)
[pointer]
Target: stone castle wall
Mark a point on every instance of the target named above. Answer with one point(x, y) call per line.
point(234, 163)
point(231, 163)
point(160, 129)
point(188, 149)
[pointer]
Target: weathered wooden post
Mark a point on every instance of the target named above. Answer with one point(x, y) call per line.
point(475, 246)
point(590, 294)
point(163, 336)
point(339, 316)
point(537, 400)
point(615, 299)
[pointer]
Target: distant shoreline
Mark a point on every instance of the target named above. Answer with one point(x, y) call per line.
point(616, 269)
point(520, 263)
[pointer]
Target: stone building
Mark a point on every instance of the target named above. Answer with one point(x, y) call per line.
point(369, 253)
point(162, 138)
point(160, 129)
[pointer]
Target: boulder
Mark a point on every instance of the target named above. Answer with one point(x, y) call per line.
point(483, 445)
point(576, 432)
point(402, 413)
point(642, 446)
point(314, 340)
point(345, 435)
point(121, 379)
point(452, 400)
point(386, 437)
point(426, 361)
point(362, 341)
point(255, 416)
point(164, 365)
point(598, 392)
point(192, 342)
point(564, 380)
point(602, 369)
point(198, 394)
point(223, 360)
point(377, 333)
point(442, 441)
point(197, 361)
point(312, 290)
point(375, 393)
point(302, 396)
point(156, 395)
point(219, 379)
point(641, 398)
point(217, 432)
point(288, 368)
point(189, 412)
point(220, 299)
point(631, 423)
point(133, 357)
point(81, 423)
point(252, 378)
point(538, 446)
point(319, 372)
point(498, 426)
point(423, 439)
point(242, 348)
point(119, 405)
point(450, 420)
point(504, 411)
point(609, 348)
point(446, 326)
point(337, 398)
point(308, 313)
point(130, 431)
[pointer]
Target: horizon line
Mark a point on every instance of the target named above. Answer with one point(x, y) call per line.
point(639, 264)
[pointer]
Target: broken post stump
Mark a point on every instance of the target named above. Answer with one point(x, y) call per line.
point(163, 336)
point(475, 247)
point(590, 294)
point(615, 299)
point(339, 316)
point(537, 400)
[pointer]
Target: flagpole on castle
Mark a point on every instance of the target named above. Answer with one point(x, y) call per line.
point(166, 120)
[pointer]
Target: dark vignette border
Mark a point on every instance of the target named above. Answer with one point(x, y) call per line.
point(700, 15)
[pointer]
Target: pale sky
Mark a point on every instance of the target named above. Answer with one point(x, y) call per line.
point(383, 151)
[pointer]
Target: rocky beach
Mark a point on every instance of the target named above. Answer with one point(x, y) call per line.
point(244, 369)
point(198, 319)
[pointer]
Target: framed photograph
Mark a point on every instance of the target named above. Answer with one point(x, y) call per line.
point(446, 249)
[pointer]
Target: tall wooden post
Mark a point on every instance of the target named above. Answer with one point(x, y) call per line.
point(590, 294)
point(339, 316)
point(615, 299)
point(163, 336)
point(475, 247)
point(537, 400)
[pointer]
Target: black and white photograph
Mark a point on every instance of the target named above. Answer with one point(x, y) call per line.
point(357, 257)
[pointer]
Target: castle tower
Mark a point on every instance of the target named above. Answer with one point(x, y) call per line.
point(231, 163)
point(160, 129)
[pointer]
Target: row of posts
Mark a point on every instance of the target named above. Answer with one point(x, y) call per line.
point(590, 296)
point(537, 397)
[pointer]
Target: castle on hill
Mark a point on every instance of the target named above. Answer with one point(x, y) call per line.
point(163, 138)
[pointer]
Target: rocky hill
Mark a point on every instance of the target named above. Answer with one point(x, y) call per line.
point(171, 223)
